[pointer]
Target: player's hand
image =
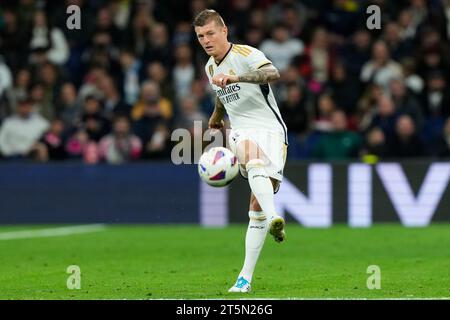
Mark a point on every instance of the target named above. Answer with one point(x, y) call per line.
point(221, 80)
point(215, 125)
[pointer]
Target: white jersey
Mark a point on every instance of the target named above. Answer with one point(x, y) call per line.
point(248, 105)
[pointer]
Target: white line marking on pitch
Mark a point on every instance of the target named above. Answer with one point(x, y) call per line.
point(51, 232)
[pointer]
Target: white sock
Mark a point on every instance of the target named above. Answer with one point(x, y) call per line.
point(261, 186)
point(254, 241)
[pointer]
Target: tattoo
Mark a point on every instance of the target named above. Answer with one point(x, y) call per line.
point(260, 76)
point(219, 105)
point(219, 110)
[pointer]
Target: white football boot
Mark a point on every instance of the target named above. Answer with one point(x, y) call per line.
point(241, 285)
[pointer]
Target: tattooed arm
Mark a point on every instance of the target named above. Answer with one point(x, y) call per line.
point(216, 119)
point(262, 75)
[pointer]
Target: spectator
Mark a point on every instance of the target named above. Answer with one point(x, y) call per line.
point(189, 115)
point(441, 147)
point(239, 15)
point(112, 100)
point(48, 43)
point(49, 78)
point(406, 24)
point(419, 12)
point(399, 48)
point(14, 40)
point(381, 68)
point(385, 117)
point(92, 119)
point(281, 48)
point(105, 23)
point(150, 95)
point(341, 18)
point(405, 103)
point(436, 98)
point(138, 34)
point(295, 21)
point(258, 19)
point(436, 103)
point(6, 83)
point(406, 141)
point(120, 13)
point(344, 89)
point(158, 73)
point(6, 80)
point(41, 103)
point(324, 110)
point(413, 81)
point(367, 106)
point(130, 76)
point(77, 144)
point(158, 46)
point(102, 53)
point(294, 110)
point(91, 82)
point(357, 52)
point(20, 91)
point(121, 145)
point(339, 144)
point(375, 143)
point(290, 77)
point(254, 36)
point(19, 133)
point(68, 107)
point(182, 34)
point(277, 12)
point(152, 129)
point(54, 141)
point(318, 60)
point(183, 71)
point(204, 98)
point(434, 53)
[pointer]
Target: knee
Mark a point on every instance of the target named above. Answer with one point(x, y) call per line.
point(256, 215)
point(254, 163)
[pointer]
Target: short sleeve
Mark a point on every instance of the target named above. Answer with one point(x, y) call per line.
point(254, 58)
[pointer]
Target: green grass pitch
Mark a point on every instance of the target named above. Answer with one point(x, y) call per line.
point(191, 262)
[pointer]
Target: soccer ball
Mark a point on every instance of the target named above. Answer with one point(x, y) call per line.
point(218, 167)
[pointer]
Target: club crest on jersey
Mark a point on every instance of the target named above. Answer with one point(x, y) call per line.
point(211, 70)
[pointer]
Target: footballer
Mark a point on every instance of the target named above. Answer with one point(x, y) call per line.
point(240, 76)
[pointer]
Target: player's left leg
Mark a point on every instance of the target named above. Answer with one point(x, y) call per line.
point(254, 241)
point(257, 229)
point(255, 236)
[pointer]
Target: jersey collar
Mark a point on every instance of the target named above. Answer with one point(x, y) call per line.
point(224, 57)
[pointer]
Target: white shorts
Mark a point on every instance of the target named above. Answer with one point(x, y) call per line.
point(272, 143)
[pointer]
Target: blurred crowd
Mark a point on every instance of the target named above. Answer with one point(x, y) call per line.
point(114, 90)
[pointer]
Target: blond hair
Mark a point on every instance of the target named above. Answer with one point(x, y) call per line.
point(206, 16)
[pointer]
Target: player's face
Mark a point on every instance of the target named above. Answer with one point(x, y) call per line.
point(212, 37)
